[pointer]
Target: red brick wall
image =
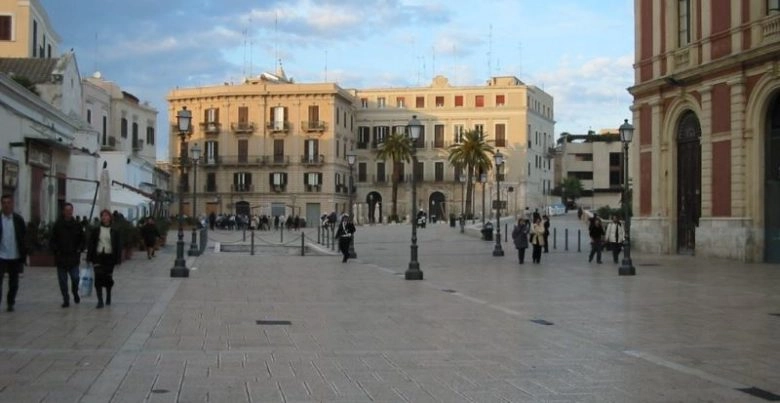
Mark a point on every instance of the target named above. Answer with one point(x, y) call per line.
point(645, 64)
point(721, 108)
point(721, 179)
point(645, 183)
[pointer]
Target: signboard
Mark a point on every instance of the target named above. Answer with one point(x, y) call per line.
point(10, 174)
point(499, 204)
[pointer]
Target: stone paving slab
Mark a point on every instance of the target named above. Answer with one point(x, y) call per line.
point(684, 329)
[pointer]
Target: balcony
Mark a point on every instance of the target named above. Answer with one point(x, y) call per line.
point(242, 188)
point(314, 188)
point(278, 126)
point(314, 126)
point(240, 161)
point(341, 188)
point(771, 28)
point(242, 127)
point(362, 146)
point(109, 145)
point(277, 160)
point(278, 188)
point(211, 127)
point(312, 160)
point(210, 188)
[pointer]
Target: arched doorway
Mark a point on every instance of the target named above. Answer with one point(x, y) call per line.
point(438, 207)
point(772, 184)
point(688, 181)
point(242, 208)
point(374, 202)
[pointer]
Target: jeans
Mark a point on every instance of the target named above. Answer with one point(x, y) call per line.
point(521, 254)
point(12, 267)
point(537, 254)
point(62, 275)
point(595, 249)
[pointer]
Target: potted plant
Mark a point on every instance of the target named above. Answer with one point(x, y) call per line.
point(129, 236)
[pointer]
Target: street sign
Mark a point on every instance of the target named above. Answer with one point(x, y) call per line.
point(499, 204)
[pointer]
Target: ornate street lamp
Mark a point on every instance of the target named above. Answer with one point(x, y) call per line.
point(499, 159)
point(194, 249)
point(183, 125)
point(414, 127)
point(351, 161)
point(626, 267)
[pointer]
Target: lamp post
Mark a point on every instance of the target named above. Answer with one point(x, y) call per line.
point(195, 157)
point(499, 158)
point(351, 161)
point(183, 121)
point(626, 267)
point(414, 127)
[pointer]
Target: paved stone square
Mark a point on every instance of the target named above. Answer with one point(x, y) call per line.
point(477, 329)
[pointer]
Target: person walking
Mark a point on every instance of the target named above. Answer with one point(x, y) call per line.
point(520, 237)
point(615, 237)
point(344, 235)
point(104, 253)
point(67, 243)
point(546, 223)
point(13, 250)
point(537, 239)
point(596, 232)
point(150, 234)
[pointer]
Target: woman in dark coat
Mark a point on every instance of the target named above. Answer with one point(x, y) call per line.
point(520, 237)
point(104, 252)
point(344, 235)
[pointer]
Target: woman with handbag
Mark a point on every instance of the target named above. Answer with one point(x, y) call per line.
point(537, 239)
point(615, 237)
point(104, 252)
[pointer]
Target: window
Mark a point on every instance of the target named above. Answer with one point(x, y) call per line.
point(311, 149)
point(684, 22)
point(419, 171)
point(211, 181)
point(438, 136)
point(499, 100)
point(458, 100)
point(584, 157)
point(242, 181)
point(6, 28)
point(480, 128)
point(243, 151)
point(439, 101)
point(400, 169)
point(277, 181)
point(458, 131)
point(338, 114)
point(279, 115)
point(243, 115)
point(278, 150)
point(135, 134)
point(123, 128)
point(400, 102)
point(420, 143)
point(211, 115)
point(338, 146)
point(380, 172)
point(364, 103)
point(314, 116)
point(438, 173)
point(380, 134)
point(364, 135)
point(457, 173)
point(479, 101)
point(380, 102)
point(150, 135)
point(211, 152)
point(500, 135)
point(89, 115)
point(419, 102)
point(362, 171)
point(312, 181)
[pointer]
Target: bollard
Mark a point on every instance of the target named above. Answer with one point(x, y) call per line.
point(579, 240)
point(332, 240)
point(303, 253)
point(555, 237)
point(319, 232)
point(566, 240)
point(506, 232)
point(252, 245)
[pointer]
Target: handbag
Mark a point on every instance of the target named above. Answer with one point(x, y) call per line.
point(86, 280)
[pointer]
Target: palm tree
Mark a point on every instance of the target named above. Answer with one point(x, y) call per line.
point(398, 149)
point(472, 153)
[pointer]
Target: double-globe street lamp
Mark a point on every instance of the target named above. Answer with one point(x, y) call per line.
point(183, 124)
point(351, 161)
point(413, 129)
point(194, 249)
point(626, 267)
point(499, 159)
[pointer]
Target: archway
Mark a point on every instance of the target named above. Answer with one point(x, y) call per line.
point(688, 181)
point(438, 207)
point(374, 202)
point(772, 183)
point(242, 208)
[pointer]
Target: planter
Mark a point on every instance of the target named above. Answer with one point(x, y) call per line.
point(41, 259)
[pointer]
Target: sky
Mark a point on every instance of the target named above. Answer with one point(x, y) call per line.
point(579, 51)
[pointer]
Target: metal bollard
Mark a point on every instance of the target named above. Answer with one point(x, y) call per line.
point(566, 240)
point(579, 240)
point(332, 240)
point(303, 253)
point(555, 237)
point(252, 245)
point(506, 232)
point(319, 233)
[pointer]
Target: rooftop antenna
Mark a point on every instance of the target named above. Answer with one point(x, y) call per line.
point(326, 65)
point(490, 51)
point(96, 54)
point(244, 65)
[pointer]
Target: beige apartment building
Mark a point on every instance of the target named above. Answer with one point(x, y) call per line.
point(25, 30)
point(271, 146)
point(596, 160)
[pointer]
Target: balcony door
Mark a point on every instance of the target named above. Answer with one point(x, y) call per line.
point(688, 182)
point(772, 184)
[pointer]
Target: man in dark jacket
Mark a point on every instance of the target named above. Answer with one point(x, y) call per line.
point(67, 243)
point(13, 251)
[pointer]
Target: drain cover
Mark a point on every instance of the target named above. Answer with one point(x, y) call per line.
point(274, 322)
point(542, 322)
point(450, 291)
point(160, 391)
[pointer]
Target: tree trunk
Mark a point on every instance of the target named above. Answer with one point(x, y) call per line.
point(469, 201)
point(394, 210)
